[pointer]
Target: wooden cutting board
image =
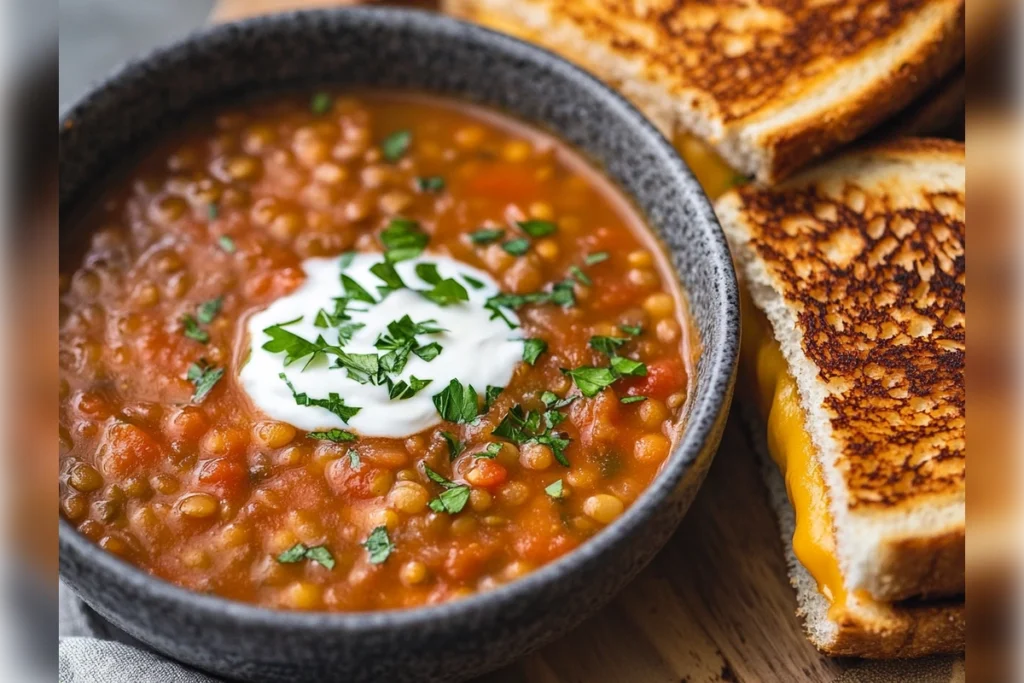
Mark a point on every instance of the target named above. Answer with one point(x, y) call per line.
point(715, 606)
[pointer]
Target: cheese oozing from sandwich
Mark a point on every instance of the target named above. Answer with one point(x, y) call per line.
point(791, 448)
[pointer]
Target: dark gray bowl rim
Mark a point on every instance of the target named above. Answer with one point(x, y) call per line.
point(705, 408)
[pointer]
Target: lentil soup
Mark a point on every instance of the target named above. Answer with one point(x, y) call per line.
point(362, 351)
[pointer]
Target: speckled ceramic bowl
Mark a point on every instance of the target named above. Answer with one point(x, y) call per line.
point(425, 52)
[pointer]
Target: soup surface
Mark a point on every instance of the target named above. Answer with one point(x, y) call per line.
point(357, 352)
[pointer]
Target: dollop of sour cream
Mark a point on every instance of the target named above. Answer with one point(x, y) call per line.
point(474, 349)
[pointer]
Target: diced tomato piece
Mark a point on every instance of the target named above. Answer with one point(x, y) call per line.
point(487, 473)
point(664, 378)
point(345, 480)
point(540, 536)
point(467, 561)
point(127, 449)
point(227, 477)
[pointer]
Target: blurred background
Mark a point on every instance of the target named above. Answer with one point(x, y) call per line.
point(45, 67)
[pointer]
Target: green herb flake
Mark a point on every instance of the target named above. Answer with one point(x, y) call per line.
point(204, 377)
point(627, 367)
point(321, 555)
point(321, 103)
point(208, 310)
point(457, 402)
point(455, 447)
point(454, 497)
point(296, 553)
point(491, 451)
point(355, 291)
point(403, 239)
point(632, 399)
point(580, 276)
point(213, 211)
point(486, 235)
point(595, 258)
point(606, 345)
point(333, 403)
point(517, 247)
point(378, 545)
point(401, 390)
point(335, 435)
point(293, 346)
point(192, 330)
point(430, 184)
point(532, 348)
point(353, 459)
point(227, 244)
point(632, 330)
point(396, 145)
point(346, 259)
point(428, 273)
point(590, 380)
point(491, 395)
point(428, 352)
point(473, 282)
point(535, 228)
point(447, 292)
point(555, 489)
point(388, 275)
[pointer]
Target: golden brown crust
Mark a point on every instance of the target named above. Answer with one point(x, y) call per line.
point(904, 631)
point(876, 282)
point(733, 65)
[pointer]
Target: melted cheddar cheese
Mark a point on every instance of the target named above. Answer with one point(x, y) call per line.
point(791, 448)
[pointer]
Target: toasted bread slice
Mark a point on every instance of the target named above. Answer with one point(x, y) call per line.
point(859, 267)
point(769, 89)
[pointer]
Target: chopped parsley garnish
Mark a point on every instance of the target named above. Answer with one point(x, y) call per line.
point(333, 403)
point(452, 499)
point(362, 367)
point(212, 211)
point(590, 380)
point(193, 331)
point(631, 330)
point(606, 345)
point(401, 390)
point(580, 276)
point(532, 348)
point(561, 294)
point(491, 451)
point(455, 447)
point(395, 145)
point(517, 247)
point(204, 377)
point(400, 341)
point(403, 239)
point(321, 103)
point(595, 258)
point(208, 310)
point(486, 235)
point(378, 545)
point(293, 346)
point(536, 228)
point(556, 489)
point(428, 273)
point(434, 183)
point(447, 292)
point(355, 291)
point(457, 402)
point(226, 243)
point(428, 352)
point(473, 282)
point(520, 427)
point(388, 275)
point(346, 259)
point(299, 552)
point(335, 435)
point(353, 459)
point(627, 367)
point(491, 395)
point(632, 399)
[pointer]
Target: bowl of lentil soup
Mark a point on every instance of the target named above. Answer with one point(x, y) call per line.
point(384, 338)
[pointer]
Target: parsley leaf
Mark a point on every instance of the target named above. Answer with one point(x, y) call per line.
point(378, 545)
point(631, 330)
point(606, 345)
point(362, 367)
point(556, 489)
point(208, 310)
point(403, 239)
point(454, 497)
point(473, 282)
point(321, 103)
point(491, 451)
point(532, 348)
point(321, 555)
point(204, 377)
point(346, 259)
point(455, 447)
point(491, 395)
point(595, 258)
point(296, 553)
point(193, 331)
point(524, 427)
point(536, 228)
point(335, 435)
point(395, 145)
point(457, 403)
point(428, 352)
point(428, 273)
point(355, 291)
point(627, 367)
point(402, 390)
point(334, 403)
point(517, 247)
point(226, 243)
point(561, 294)
point(433, 183)
point(486, 235)
point(388, 275)
point(292, 345)
point(580, 276)
point(632, 399)
point(590, 380)
point(447, 292)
